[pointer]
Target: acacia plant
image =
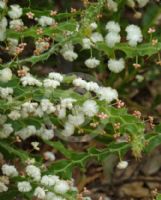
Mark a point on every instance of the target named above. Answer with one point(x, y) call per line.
point(109, 48)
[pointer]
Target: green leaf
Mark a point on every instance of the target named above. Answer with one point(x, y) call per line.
point(158, 197)
point(141, 50)
point(11, 151)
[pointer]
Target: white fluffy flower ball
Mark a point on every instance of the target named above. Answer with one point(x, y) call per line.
point(112, 38)
point(24, 186)
point(92, 63)
point(122, 165)
point(5, 75)
point(9, 170)
point(86, 43)
point(116, 66)
point(39, 193)
point(61, 187)
point(33, 172)
point(90, 108)
point(68, 129)
point(76, 120)
point(46, 21)
point(113, 26)
point(96, 37)
point(134, 35)
point(107, 93)
point(70, 55)
point(15, 12)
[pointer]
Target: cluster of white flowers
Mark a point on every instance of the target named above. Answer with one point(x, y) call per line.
point(77, 118)
point(24, 186)
point(67, 109)
point(45, 184)
point(68, 52)
point(15, 13)
point(104, 93)
point(52, 82)
point(7, 170)
point(112, 36)
point(134, 35)
point(32, 109)
point(89, 108)
point(30, 130)
point(87, 43)
point(116, 66)
point(71, 112)
point(65, 104)
point(48, 187)
point(30, 80)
